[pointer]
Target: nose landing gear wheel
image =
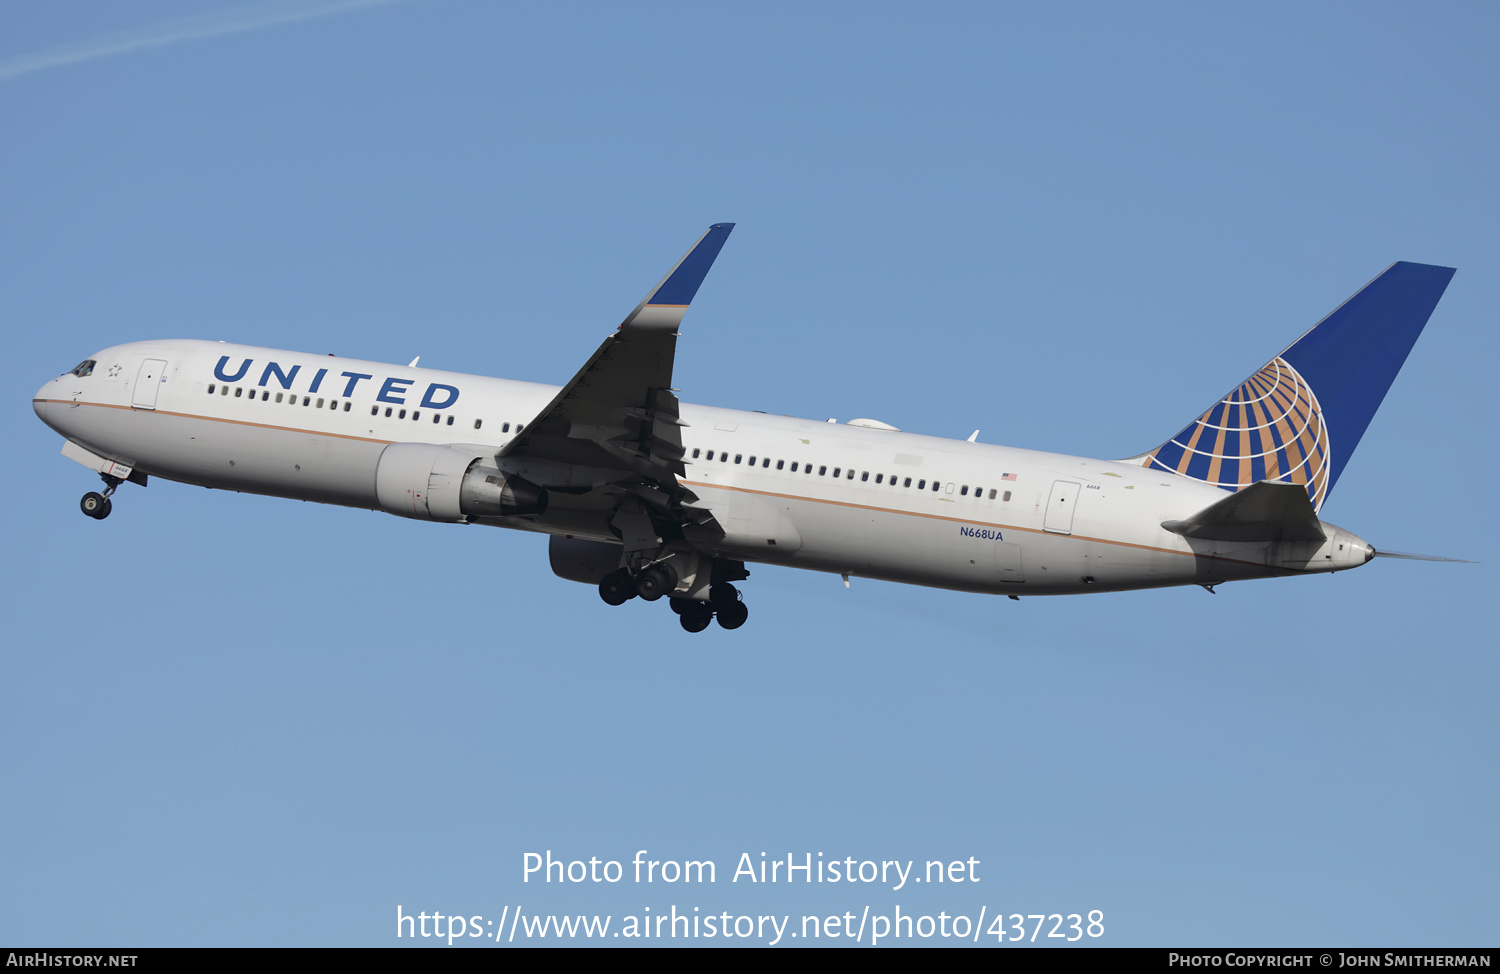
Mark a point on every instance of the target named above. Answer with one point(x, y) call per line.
point(96, 506)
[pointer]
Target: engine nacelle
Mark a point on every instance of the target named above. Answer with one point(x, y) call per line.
point(450, 483)
point(578, 560)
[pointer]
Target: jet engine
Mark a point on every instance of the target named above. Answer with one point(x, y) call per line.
point(578, 560)
point(451, 483)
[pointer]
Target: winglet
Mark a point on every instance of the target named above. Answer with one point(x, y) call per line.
point(664, 307)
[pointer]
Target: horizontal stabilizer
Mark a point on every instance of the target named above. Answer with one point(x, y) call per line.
point(1266, 511)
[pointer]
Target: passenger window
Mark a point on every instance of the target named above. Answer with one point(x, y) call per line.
point(450, 420)
point(347, 404)
point(210, 385)
point(710, 455)
point(850, 475)
point(765, 462)
point(477, 423)
point(223, 390)
point(504, 427)
point(280, 396)
point(822, 471)
point(320, 404)
point(964, 491)
point(436, 419)
point(936, 486)
point(836, 471)
point(738, 457)
point(401, 415)
point(794, 466)
point(752, 461)
point(416, 416)
point(921, 485)
point(908, 482)
point(265, 397)
point(1006, 496)
point(880, 478)
point(307, 400)
point(807, 468)
point(238, 392)
point(374, 410)
point(695, 453)
point(780, 464)
point(862, 477)
point(723, 457)
point(520, 427)
point(992, 493)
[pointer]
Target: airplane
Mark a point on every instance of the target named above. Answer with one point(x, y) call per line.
point(646, 497)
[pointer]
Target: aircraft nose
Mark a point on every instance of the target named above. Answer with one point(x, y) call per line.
point(39, 401)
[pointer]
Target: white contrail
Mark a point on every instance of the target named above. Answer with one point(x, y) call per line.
point(238, 20)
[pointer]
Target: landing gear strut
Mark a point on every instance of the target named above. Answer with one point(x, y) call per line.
point(98, 506)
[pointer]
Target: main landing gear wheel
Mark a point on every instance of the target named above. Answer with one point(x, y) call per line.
point(617, 588)
point(656, 581)
point(733, 616)
point(694, 616)
point(96, 506)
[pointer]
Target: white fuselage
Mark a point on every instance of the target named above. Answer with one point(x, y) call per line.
point(824, 496)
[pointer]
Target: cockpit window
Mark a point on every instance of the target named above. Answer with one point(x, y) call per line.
point(86, 367)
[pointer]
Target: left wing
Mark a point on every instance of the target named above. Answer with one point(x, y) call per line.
point(619, 411)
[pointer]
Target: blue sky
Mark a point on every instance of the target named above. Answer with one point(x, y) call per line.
point(241, 720)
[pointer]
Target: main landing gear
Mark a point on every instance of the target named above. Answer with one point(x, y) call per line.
point(98, 506)
point(653, 582)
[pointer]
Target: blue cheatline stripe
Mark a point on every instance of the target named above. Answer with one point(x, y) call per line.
point(684, 282)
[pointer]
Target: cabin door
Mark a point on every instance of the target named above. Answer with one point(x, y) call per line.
point(1060, 506)
point(147, 381)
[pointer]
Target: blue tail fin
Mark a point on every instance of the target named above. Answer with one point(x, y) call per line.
point(1299, 419)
